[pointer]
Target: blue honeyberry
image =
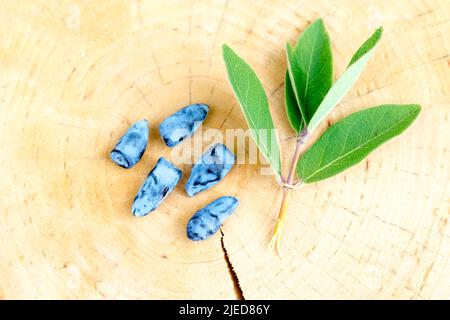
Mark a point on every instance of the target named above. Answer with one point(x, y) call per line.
point(210, 169)
point(205, 222)
point(183, 123)
point(160, 182)
point(131, 146)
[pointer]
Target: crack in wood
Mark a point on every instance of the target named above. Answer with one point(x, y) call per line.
point(233, 274)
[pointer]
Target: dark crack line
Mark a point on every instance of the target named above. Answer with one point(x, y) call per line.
point(233, 275)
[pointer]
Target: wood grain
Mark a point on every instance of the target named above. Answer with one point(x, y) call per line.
point(75, 74)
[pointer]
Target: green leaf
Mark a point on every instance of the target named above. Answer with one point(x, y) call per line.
point(350, 140)
point(292, 108)
point(310, 68)
point(253, 101)
point(346, 81)
point(367, 45)
point(293, 67)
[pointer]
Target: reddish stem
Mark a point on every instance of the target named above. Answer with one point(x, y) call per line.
point(276, 238)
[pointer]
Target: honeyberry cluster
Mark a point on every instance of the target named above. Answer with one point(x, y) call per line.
point(207, 171)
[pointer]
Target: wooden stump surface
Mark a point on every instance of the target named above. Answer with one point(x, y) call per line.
point(75, 74)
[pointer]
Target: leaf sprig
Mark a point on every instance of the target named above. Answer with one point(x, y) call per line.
point(310, 96)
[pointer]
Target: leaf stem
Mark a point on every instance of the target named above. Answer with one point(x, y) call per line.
point(275, 242)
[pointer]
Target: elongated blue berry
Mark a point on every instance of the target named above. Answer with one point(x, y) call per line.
point(205, 222)
point(160, 182)
point(212, 167)
point(131, 146)
point(183, 123)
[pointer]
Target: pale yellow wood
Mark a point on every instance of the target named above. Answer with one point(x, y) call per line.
point(75, 74)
